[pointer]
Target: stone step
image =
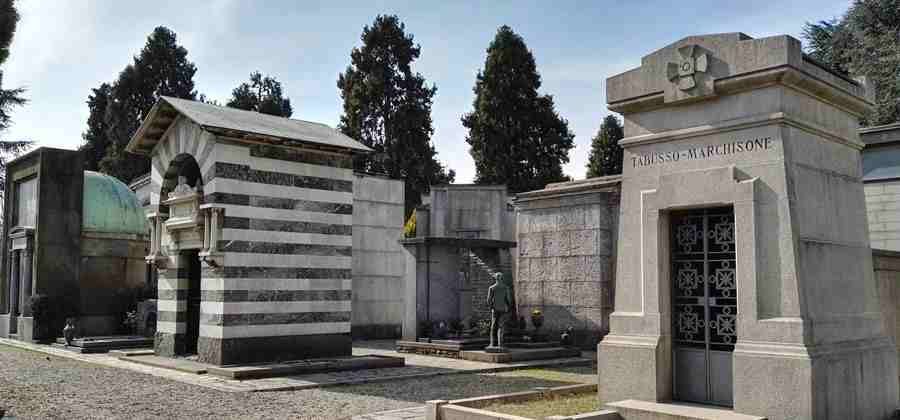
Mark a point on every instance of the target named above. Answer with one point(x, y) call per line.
point(643, 410)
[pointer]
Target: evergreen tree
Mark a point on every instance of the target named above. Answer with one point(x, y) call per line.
point(388, 108)
point(9, 98)
point(864, 42)
point(262, 94)
point(606, 154)
point(95, 141)
point(515, 134)
point(160, 69)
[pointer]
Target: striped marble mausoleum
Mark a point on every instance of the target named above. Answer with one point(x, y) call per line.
point(251, 233)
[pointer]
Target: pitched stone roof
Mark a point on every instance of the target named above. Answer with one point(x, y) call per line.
point(230, 121)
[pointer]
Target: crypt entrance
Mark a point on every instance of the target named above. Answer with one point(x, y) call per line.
point(704, 304)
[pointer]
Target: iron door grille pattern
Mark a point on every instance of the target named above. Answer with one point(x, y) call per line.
point(704, 285)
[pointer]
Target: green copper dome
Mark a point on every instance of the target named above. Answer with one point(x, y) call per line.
point(110, 206)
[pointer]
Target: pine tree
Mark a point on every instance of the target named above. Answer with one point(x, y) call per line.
point(606, 154)
point(9, 98)
point(515, 134)
point(864, 42)
point(262, 94)
point(95, 141)
point(388, 108)
point(160, 69)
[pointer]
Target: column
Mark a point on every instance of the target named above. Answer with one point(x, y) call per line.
point(25, 270)
point(13, 283)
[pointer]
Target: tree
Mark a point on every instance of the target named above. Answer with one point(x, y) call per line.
point(9, 98)
point(606, 154)
point(262, 94)
point(95, 140)
point(516, 136)
point(864, 42)
point(160, 69)
point(388, 108)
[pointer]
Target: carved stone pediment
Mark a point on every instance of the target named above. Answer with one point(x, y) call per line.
point(183, 211)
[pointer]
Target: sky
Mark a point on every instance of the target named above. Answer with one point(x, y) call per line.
point(63, 49)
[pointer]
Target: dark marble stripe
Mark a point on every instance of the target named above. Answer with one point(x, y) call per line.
point(275, 295)
point(278, 203)
point(287, 273)
point(171, 316)
point(279, 248)
point(247, 174)
point(229, 320)
point(247, 223)
point(281, 153)
point(166, 294)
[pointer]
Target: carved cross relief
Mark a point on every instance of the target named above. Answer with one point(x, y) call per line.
point(683, 73)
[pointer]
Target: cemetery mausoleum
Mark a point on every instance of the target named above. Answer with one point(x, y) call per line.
point(744, 273)
point(251, 233)
point(75, 238)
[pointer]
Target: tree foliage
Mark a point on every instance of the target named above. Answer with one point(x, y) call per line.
point(95, 139)
point(388, 108)
point(261, 94)
point(161, 68)
point(9, 98)
point(864, 42)
point(606, 154)
point(515, 134)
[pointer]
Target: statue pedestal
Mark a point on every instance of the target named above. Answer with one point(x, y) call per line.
point(495, 349)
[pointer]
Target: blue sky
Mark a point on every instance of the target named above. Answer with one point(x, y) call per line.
point(62, 49)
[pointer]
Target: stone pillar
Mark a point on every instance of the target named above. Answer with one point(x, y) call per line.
point(752, 124)
point(25, 262)
point(14, 283)
point(171, 307)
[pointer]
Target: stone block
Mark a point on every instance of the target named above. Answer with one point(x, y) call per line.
point(556, 243)
point(557, 293)
point(531, 245)
point(587, 294)
point(584, 242)
point(529, 292)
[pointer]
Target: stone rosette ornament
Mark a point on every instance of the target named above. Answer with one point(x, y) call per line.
point(684, 72)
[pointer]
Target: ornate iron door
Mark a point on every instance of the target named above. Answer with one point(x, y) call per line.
point(704, 304)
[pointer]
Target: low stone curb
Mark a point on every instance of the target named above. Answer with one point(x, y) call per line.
point(470, 408)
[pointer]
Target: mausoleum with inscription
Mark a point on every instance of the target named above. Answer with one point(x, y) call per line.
point(744, 273)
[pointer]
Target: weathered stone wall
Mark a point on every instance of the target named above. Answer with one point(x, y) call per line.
point(113, 273)
point(883, 211)
point(378, 258)
point(566, 260)
point(887, 277)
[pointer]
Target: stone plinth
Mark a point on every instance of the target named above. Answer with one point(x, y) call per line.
point(753, 127)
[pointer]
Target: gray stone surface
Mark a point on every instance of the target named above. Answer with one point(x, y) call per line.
point(378, 258)
point(810, 338)
point(566, 253)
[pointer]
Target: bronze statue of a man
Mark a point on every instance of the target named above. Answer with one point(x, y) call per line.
point(500, 301)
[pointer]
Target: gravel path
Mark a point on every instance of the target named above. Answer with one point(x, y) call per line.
point(34, 385)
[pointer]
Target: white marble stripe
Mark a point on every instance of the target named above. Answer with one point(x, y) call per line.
point(277, 330)
point(201, 144)
point(171, 305)
point(286, 237)
point(172, 283)
point(171, 327)
point(240, 259)
point(211, 157)
point(275, 284)
point(241, 156)
point(235, 186)
point(232, 210)
point(162, 151)
point(274, 307)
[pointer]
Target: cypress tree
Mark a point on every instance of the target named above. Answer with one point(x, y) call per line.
point(387, 107)
point(9, 98)
point(606, 154)
point(515, 135)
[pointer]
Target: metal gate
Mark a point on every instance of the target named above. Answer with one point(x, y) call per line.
point(704, 304)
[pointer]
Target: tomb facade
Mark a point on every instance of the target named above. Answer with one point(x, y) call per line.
point(744, 273)
point(251, 233)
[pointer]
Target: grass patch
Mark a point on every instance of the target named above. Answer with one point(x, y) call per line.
point(566, 405)
point(566, 374)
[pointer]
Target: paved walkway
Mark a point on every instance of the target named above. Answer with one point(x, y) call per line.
point(417, 366)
